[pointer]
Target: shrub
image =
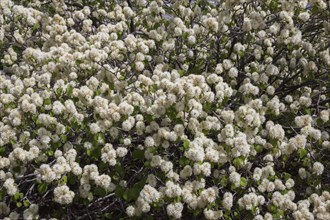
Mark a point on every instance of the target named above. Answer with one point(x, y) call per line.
point(164, 109)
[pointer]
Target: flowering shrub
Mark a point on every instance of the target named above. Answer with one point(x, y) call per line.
point(164, 109)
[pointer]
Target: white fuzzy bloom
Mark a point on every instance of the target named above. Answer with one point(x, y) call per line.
point(121, 151)
point(149, 194)
point(302, 121)
point(94, 128)
point(318, 168)
point(227, 200)
point(276, 132)
point(235, 178)
point(103, 181)
point(195, 152)
point(10, 186)
point(139, 66)
point(175, 210)
point(325, 115)
point(304, 16)
point(149, 142)
point(63, 195)
point(130, 211)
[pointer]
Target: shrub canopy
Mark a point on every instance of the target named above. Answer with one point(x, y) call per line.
point(144, 109)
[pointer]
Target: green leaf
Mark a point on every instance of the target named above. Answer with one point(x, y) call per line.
point(138, 154)
point(287, 176)
point(224, 181)
point(64, 180)
point(186, 144)
point(302, 153)
point(149, 118)
point(59, 91)
point(47, 102)
point(26, 203)
point(258, 148)
point(243, 182)
point(99, 191)
point(238, 162)
point(17, 169)
point(171, 112)
point(149, 217)
point(78, 62)
point(42, 188)
point(63, 138)
point(306, 162)
point(98, 138)
point(96, 152)
point(16, 196)
point(108, 215)
point(207, 106)
point(134, 193)
point(273, 142)
point(2, 151)
point(50, 152)
point(69, 90)
point(72, 179)
point(18, 204)
point(120, 170)
point(119, 191)
point(272, 208)
point(183, 161)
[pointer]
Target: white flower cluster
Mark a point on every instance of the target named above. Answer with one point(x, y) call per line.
point(63, 195)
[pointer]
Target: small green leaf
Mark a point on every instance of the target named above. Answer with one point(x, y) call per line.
point(272, 209)
point(2, 151)
point(119, 191)
point(64, 180)
point(243, 182)
point(50, 152)
point(224, 181)
point(69, 90)
point(302, 153)
point(273, 142)
point(99, 191)
point(18, 204)
point(71, 179)
point(287, 176)
point(63, 138)
point(171, 113)
point(16, 196)
point(120, 170)
point(59, 91)
point(185, 144)
point(148, 118)
point(238, 162)
point(138, 154)
point(258, 148)
point(42, 188)
point(108, 215)
point(96, 152)
point(47, 102)
point(183, 161)
point(26, 203)
point(207, 106)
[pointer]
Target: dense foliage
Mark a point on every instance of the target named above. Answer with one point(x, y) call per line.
point(144, 109)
